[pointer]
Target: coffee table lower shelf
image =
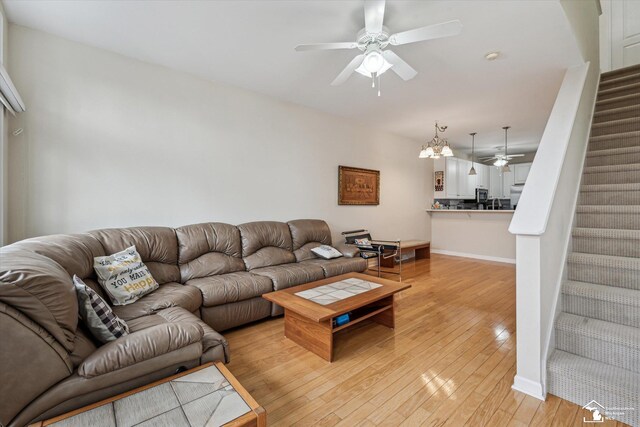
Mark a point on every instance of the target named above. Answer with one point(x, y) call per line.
point(317, 337)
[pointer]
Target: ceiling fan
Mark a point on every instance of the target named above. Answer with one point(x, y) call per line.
point(374, 38)
point(502, 160)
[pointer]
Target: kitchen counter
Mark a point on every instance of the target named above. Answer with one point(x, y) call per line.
point(480, 211)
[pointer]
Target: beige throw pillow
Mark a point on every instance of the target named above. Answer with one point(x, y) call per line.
point(124, 276)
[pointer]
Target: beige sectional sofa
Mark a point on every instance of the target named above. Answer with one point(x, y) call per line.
point(211, 279)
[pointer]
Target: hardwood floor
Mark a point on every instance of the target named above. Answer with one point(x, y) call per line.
point(450, 360)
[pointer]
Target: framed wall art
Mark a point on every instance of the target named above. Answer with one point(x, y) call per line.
point(438, 181)
point(358, 186)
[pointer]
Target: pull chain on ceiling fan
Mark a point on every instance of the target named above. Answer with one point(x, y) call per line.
point(374, 38)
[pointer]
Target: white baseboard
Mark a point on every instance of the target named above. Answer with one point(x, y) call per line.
point(476, 256)
point(532, 388)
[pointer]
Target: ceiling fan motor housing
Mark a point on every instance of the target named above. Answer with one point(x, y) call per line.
point(365, 39)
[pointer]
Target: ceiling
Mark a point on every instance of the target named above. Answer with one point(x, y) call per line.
point(250, 44)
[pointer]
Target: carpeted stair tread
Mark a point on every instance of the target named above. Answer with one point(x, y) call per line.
point(581, 380)
point(609, 332)
point(595, 260)
point(607, 303)
point(614, 74)
point(614, 140)
point(632, 186)
point(612, 168)
point(607, 233)
point(622, 80)
point(626, 89)
point(618, 101)
point(626, 112)
point(609, 209)
point(610, 378)
point(614, 151)
point(617, 125)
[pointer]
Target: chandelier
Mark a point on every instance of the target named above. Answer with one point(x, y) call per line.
point(437, 147)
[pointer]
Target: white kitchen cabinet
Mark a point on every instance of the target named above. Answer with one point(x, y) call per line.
point(466, 182)
point(482, 179)
point(507, 182)
point(495, 182)
point(520, 172)
point(451, 178)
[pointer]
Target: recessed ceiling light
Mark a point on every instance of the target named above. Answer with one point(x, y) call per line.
point(491, 56)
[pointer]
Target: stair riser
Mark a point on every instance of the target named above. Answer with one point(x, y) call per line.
point(620, 91)
point(616, 221)
point(604, 246)
point(621, 72)
point(615, 159)
point(619, 80)
point(610, 198)
point(618, 103)
point(604, 275)
point(608, 128)
point(624, 177)
point(615, 142)
point(592, 348)
point(602, 310)
point(609, 115)
point(581, 393)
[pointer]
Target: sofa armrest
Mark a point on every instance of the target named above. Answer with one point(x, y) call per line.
point(140, 346)
point(349, 251)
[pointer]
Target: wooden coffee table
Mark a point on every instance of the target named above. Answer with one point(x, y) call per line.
point(206, 395)
point(310, 324)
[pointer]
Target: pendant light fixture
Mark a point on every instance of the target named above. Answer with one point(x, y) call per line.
point(505, 167)
point(436, 147)
point(472, 171)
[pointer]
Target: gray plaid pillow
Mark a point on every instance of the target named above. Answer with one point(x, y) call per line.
point(103, 323)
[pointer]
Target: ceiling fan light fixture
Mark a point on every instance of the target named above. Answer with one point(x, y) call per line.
point(500, 162)
point(373, 61)
point(506, 168)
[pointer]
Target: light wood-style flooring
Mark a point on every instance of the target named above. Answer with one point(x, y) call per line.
point(450, 360)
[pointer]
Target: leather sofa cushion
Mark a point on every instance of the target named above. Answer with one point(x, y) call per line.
point(74, 252)
point(84, 345)
point(287, 275)
point(266, 243)
point(158, 247)
point(76, 391)
point(338, 266)
point(226, 316)
point(167, 295)
point(210, 340)
point(140, 346)
point(307, 234)
point(232, 287)
point(209, 249)
point(41, 289)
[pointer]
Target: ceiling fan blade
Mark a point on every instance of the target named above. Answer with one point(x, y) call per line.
point(445, 29)
point(373, 15)
point(326, 46)
point(515, 155)
point(400, 67)
point(348, 70)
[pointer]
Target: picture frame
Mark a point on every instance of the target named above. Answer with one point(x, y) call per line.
point(438, 181)
point(358, 186)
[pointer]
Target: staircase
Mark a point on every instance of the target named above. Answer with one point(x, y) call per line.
point(597, 334)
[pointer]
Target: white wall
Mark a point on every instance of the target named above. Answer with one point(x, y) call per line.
point(482, 235)
point(110, 141)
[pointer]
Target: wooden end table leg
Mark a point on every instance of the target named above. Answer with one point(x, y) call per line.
point(316, 337)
